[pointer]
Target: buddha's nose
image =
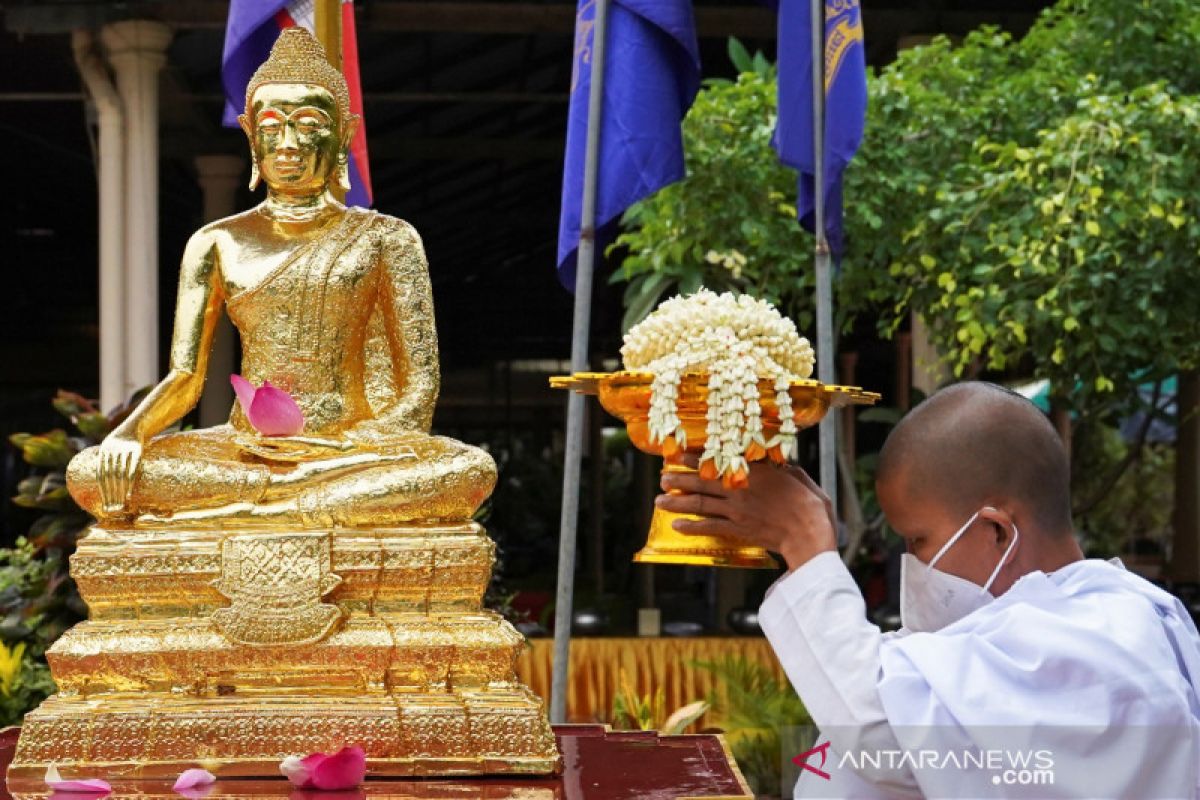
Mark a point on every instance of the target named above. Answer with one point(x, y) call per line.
point(289, 140)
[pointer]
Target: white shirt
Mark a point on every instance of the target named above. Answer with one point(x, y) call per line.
point(1083, 682)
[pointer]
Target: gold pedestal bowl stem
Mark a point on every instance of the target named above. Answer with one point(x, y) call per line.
point(665, 545)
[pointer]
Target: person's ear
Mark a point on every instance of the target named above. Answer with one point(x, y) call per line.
point(1002, 521)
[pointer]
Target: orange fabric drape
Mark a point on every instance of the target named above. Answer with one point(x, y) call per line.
point(648, 663)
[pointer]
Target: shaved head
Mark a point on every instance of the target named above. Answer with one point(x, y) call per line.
point(977, 444)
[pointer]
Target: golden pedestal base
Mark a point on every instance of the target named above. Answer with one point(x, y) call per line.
point(233, 649)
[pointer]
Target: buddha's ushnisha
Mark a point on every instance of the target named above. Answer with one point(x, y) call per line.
point(333, 305)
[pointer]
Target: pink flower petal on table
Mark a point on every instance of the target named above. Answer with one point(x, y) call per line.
point(294, 770)
point(345, 769)
point(191, 778)
point(91, 786)
point(244, 390)
point(274, 412)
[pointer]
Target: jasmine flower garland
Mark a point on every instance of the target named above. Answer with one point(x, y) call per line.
point(737, 341)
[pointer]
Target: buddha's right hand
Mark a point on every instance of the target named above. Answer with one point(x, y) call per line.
point(119, 459)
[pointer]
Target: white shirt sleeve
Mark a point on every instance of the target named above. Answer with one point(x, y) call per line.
point(815, 620)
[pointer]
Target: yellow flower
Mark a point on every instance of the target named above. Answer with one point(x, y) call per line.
point(10, 666)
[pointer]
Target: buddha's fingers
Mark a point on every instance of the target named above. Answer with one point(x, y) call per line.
point(107, 476)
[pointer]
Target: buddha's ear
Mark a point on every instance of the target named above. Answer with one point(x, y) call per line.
point(349, 128)
point(244, 121)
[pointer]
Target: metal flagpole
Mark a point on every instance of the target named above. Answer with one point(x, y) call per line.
point(827, 433)
point(579, 351)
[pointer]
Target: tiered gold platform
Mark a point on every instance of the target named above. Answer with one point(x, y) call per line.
point(233, 649)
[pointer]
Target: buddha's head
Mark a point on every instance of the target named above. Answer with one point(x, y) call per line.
point(298, 118)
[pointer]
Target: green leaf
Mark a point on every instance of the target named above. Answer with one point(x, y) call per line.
point(739, 55)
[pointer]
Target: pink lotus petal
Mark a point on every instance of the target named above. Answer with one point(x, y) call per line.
point(91, 786)
point(191, 778)
point(274, 412)
point(295, 771)
point(345, 769)
point(244, 390)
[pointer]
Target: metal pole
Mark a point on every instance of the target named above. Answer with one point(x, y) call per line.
point(579, 352)
point(826, 357)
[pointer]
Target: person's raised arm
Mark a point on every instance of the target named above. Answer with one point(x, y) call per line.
point(197, 310)
point(814, 616)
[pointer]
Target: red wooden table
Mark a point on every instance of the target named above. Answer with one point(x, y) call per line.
point(598, 765)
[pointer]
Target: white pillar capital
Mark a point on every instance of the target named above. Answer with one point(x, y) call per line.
point(140, 40)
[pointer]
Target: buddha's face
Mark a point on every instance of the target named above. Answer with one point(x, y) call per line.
point(295, 134)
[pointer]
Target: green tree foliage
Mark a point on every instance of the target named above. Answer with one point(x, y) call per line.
point(1034, 200)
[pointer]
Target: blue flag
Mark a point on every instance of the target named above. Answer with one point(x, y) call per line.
point(845, 103)
point(652, 76)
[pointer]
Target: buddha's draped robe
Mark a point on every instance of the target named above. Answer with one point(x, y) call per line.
point(336, 326)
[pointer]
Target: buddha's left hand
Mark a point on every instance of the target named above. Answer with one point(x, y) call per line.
point(372, 432)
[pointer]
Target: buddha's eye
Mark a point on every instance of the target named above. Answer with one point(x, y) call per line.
point(308, 124)
point(269, 125)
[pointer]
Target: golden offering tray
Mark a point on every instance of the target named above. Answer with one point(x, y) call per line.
point(626, 395)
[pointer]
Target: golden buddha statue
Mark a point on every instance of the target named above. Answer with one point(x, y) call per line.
point(253, 597)
point(333, 305)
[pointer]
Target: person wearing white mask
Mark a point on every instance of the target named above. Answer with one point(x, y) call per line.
point(1022, 669)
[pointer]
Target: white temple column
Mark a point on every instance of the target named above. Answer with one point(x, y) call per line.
point(218, 176)
point(137, 51)
point(110, 174)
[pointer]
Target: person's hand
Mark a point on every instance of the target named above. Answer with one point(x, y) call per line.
point(120, 456)
point(782, 510)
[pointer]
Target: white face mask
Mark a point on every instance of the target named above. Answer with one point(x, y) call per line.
point(931, 599)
